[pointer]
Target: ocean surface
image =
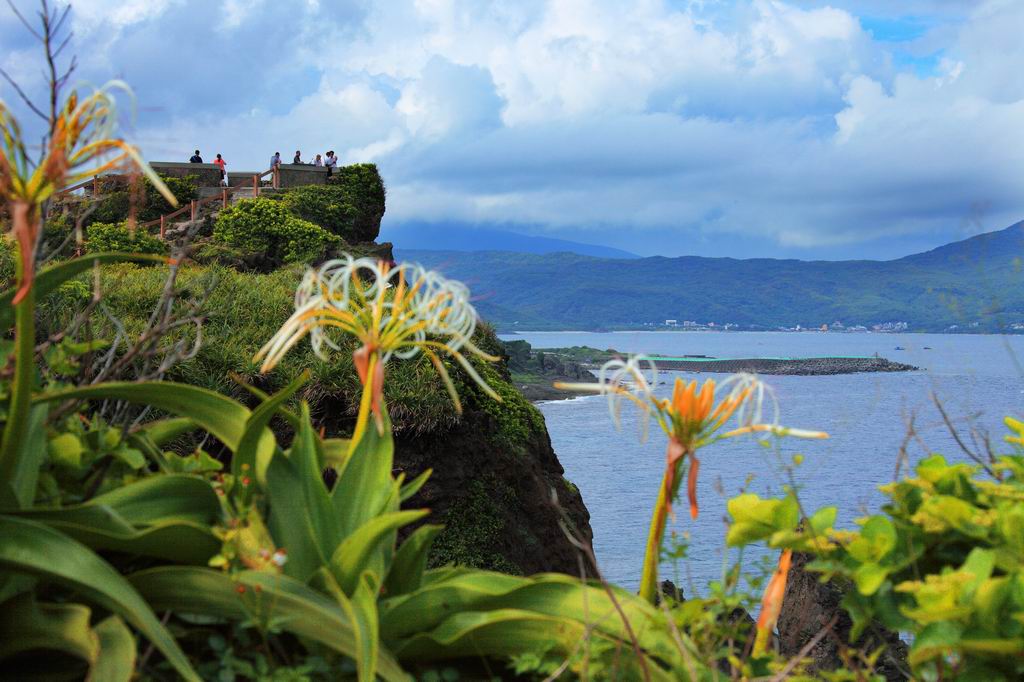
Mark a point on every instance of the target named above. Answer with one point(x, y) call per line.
point(978, 379)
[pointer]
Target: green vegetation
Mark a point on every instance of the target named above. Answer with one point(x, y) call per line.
point(473, 525)
point(944, 561)
point(273, 543)
point(265, 228)
point(117, 196)
point(978, 280)
point(102, 237)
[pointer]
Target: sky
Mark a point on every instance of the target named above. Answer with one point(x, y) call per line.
point(746, 128)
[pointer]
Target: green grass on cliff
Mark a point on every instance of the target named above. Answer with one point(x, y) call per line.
point(242, 311)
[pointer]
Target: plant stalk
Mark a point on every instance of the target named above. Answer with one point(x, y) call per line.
point(365, 404)
point(24, 357)
point(652, 555)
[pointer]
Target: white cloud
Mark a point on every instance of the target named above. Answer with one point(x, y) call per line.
point(781, 120)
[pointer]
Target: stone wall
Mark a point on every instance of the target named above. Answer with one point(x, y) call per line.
point(296, 175)
point(206, 174)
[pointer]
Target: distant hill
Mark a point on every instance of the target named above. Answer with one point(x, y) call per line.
point(974, 285)
point(461, 237)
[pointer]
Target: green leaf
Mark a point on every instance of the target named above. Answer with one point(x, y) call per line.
point(406, 574)
point(295, 607)
point(20, 489)
point(364, 483)
point(26, 626)
point(413, 486)
point(48, 279)
point(877, 538)
point(254, 450)
point(219, 415)
point(869, 577)
point(166, 516)
point(302, 519)
point(163, 431)
point(66, 450)
point(756, 519)
point(35, 549)
point(116, 660)
point(359, 552)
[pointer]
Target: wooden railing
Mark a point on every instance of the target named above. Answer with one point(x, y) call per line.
point(194, 205)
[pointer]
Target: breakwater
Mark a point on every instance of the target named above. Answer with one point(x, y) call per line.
point(791, 366)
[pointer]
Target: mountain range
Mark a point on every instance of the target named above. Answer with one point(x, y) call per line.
point(968, 285)
point(412, 236)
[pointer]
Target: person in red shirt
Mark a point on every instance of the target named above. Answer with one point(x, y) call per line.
point(221, 163)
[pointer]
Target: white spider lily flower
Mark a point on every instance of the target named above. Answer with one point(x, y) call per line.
point(620, 379)
point(392, 311)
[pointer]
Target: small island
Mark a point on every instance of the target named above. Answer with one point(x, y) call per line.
point(535, 370)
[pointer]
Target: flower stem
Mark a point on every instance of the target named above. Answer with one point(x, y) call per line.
point(365, 403)
point(652, 555)
point(21, 388)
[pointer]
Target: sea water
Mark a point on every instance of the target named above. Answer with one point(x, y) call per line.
point(871, 418)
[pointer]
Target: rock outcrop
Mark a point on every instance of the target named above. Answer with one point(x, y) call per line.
point(809, 606)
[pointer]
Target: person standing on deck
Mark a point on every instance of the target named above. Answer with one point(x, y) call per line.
point(275, 160)
point(196, 158)
point(298, 158)
point(318, 161)
point(220, 163)
point(331, 163)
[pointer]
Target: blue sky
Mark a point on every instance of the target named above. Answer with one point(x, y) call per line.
point(851, 129)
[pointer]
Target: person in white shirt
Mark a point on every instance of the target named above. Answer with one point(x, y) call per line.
point(331, 163)
point(318, 161)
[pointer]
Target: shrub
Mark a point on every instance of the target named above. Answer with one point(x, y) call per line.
point(364, 191)
point(265, 229)
point(324, 206)
point(116, 196)
point(106, 237)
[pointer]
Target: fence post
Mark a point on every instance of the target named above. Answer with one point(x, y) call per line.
point(163, 226)
point(255, 186)
point(277, 184)
point(194, 206)
point(95, 185)
point(224, 195)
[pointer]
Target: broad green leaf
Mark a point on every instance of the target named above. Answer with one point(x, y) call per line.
point(406, 573)
point(877, 538)
point(26, 626)
point(167, 516)
point(20, 489)
point(869, 577)
point(359, 552)
point(361, 610)
point(48, 279)
point(363, 487)
point(293, 606)
point(116, 659)
point(508, 632)
point(935, 641)
point(756, 519)
point(336, 452)
point(302, 519)
point(219, 415)
point(555, 596)
point(35, 549)
point(163, 431)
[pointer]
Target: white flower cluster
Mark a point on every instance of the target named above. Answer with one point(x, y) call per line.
point(394, 309)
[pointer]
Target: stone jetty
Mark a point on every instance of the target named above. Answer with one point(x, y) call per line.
point(793, 366)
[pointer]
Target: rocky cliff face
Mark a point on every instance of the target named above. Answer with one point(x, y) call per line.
point(497, 485)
